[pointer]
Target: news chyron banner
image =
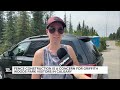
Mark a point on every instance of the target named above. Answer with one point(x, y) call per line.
point(59, 69)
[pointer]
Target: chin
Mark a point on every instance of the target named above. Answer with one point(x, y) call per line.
point(55, 42)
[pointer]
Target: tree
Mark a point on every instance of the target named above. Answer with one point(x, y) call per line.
point(9, 33)
point(85, 31)
point(78, 32)
point(83, 28)
point(1, 26)
point(70, 26)
point(114, 36)
point(118, 34)
point(83, 24)
point(92, 31)
point(65, 23)
point(111, 36)
point(78, 27)
point(38, 22)
point(23, 25)
point(47, 15)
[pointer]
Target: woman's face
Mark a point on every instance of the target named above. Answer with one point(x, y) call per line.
point(55, 32)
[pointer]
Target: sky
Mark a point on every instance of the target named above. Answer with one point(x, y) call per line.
point(104, 22)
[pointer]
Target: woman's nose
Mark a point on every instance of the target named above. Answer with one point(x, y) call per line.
point(56, 32)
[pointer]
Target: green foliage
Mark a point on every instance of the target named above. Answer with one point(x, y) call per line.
point(112, 36)
point(66, 31)
point(1, 26)
point(117, 43)
point(85, 30)
point(19, 25)
point(70, 26)
point(9, 35)
point(102, 44)
point(23, 26)
point(115, 36)
point(118, 34)
point(38, 22)
point(4, 47)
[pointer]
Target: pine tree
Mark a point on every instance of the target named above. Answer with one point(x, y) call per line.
point(37, 22)
point(78, 32)
point(23, 25)
point(70, 26)
point(83, 24)
point(85, 31)
point(78, 27)
point(47, 15)
point(92, 31)
point(1, 26)
point(9, 33)
point(65, 23)
point(118, 34)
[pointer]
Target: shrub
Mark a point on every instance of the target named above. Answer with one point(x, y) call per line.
point(102, 44)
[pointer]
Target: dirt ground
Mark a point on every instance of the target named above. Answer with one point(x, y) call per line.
point(112, 60)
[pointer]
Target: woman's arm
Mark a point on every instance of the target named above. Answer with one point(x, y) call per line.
point(37, 61)
point(76, 63)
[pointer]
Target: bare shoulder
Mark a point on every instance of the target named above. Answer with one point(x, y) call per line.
point(39, 52)
point(69, 48)
point(38, 57)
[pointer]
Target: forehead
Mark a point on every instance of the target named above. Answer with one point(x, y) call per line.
point(56, 24)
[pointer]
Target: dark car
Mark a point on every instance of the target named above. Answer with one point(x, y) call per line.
point(22, 54)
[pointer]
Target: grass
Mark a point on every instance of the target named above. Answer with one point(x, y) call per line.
point(117, 43)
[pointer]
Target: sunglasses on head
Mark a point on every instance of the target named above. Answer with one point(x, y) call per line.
point(53, 29)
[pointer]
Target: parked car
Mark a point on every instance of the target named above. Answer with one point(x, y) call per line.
point(22, 54)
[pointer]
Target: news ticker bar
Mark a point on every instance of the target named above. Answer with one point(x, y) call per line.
point(59, 69)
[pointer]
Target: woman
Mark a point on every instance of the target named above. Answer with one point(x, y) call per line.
point(47, 56)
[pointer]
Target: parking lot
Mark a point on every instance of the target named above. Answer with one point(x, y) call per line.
point(112, 60)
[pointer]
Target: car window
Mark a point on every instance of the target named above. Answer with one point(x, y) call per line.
point(20, 49)
point(90, 51)
point(34, 46)
point(68, 43)
point(93, 48)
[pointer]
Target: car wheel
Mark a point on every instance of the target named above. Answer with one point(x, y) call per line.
point(2, 73)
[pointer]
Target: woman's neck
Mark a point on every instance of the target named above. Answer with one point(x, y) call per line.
point(53, 47)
